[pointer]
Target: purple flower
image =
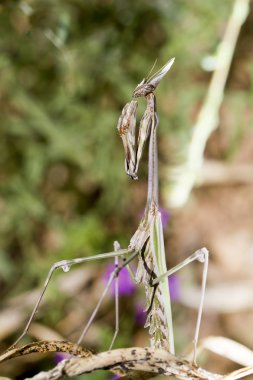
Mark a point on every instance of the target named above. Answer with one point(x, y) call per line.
point(174, 284)
point(61, 356)
point(126, 285)
point(114, 376)
point(165, 216)
point(140, 315)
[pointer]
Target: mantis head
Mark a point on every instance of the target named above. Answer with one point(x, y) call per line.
point(149, 85)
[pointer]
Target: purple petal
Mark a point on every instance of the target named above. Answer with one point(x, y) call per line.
point(61, 356)
point(126, 285)
point(140, 315)
point(165, 216)
point(174, 284)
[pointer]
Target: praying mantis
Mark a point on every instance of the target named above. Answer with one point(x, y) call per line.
point(148, 239)
point(147, 243)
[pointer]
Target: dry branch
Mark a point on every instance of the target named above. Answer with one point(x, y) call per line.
point(134, 363)
point(43, 347)
point(148, 360)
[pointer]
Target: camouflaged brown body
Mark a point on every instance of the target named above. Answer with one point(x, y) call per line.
point(147, 269)
point(145, 274)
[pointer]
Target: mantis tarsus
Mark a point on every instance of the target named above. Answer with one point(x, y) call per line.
point(147, 243)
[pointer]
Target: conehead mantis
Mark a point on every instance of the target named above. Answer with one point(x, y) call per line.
point(148, 239)
point(147, 242)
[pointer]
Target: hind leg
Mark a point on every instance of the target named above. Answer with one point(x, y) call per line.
point(202, 256)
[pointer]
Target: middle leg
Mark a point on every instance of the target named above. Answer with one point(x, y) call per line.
point(113, 275)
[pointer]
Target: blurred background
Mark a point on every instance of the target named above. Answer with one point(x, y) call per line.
point(66, 70)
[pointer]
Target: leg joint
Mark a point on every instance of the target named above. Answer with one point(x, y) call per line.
point(202, 255)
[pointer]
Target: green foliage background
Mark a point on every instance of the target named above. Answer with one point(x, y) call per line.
point(66, 70)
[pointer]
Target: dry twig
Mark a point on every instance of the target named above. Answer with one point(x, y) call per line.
point(130, 363)
point(149, 361)
point(134, 363)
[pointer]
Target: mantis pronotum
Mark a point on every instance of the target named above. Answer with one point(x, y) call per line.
point(147, 243)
